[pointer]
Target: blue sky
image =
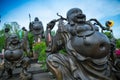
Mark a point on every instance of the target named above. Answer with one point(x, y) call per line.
point(45, 10)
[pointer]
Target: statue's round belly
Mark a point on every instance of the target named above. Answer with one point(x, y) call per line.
point(13, 55)
point(37, 30)
point(95, 46)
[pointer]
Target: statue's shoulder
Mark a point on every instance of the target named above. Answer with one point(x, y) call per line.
point(67, 26)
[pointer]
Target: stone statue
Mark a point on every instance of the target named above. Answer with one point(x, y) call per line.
point(36, 28)
point(87, 50)
point(14, 55)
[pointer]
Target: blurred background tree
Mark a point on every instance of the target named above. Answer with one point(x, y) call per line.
point(2, 40)
point(108, 34)
point(118, 43)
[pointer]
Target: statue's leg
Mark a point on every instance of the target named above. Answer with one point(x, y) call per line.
point(117, 68)
point(2, 72)
point(8, 69)
point(25, 63)
point(58, 64)
point(2, 69)
point(24, 75)
point(10, 74)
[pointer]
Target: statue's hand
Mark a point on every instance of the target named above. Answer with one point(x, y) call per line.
point(77, 75)
point(24, 29)
point(51, 24)
point(117, 63)
point(7, 29)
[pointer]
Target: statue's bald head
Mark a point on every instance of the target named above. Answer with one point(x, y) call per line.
point(75, 15)
point(36, 19)
point(73, 10)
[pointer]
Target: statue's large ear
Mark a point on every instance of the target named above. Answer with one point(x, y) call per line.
point(71, 22)
point(109, 23)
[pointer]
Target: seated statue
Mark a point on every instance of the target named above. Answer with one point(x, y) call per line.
point(14, 55)
point(87, 51)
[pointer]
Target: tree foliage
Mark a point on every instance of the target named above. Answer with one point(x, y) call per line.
point(2, 40)
point(118, 43)
point(41, 48)
point(108, 34)
point(14, 28)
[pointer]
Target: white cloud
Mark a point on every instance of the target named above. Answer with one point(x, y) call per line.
point(116, 31)
point(46, 12)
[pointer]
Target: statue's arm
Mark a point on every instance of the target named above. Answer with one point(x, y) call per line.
point(52, 42)
point(42, 30)
point(25, 42)
point(30, 26)
point(7, 37)
point(7, 32)
point(48, 36)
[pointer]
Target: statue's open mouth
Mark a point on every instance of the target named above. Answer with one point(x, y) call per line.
point(80, 17)
point(15, 41)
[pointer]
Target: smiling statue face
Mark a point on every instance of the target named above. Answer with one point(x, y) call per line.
point(75, 15)
point(14, 39)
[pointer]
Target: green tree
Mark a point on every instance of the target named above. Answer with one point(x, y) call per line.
point(53, 33)
point(41, 48)
point(108, 34)
point(118, 43)
point(14, 28)
point(2, 40)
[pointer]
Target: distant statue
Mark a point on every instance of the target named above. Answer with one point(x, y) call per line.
point(87, 51)
point(14, 54)
point(36, 28)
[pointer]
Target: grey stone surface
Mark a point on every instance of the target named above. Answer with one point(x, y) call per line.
point(42, 76)
point(35, 70)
